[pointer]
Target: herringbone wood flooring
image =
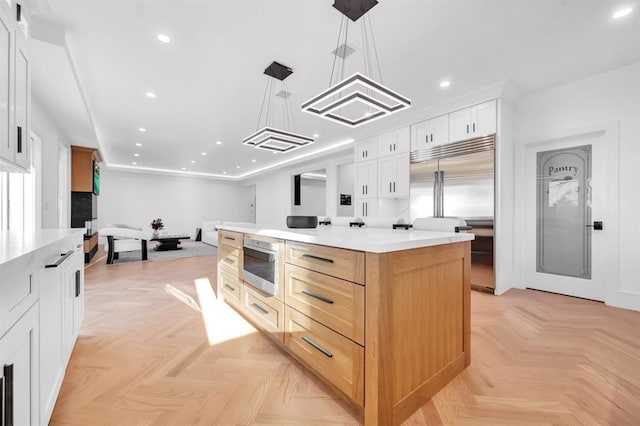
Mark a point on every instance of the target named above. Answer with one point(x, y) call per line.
point(156, 348)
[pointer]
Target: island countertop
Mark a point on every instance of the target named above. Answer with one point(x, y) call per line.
point(374, 240)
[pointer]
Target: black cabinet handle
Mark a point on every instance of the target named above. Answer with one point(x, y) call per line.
point(8, 395)
point(19, 137)
point(322, 259)
point(229, 238)
point(229, 261)
point(394, 187)
point(431, 137)
point(426, 137)
point(18, 16)
point(260, 308)
point(474, 127)
point(317, 296)
point(77, 283)
point(318, 347)
point(58, 262)
point(389, 186)
point(597, 226)
point(230, 287)
point(467, 129)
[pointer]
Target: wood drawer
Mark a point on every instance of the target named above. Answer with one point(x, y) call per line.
point(231, 288)
point(230, 238)
point(334, 357)
point(230, 260)
point(335, 303)
point(267, 312)
point(341, 263)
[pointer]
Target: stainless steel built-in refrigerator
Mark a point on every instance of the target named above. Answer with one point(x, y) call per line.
point(457, 180)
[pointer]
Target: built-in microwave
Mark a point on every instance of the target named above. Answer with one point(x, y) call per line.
point(261, 260)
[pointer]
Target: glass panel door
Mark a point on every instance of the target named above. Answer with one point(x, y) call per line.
point(564, 212)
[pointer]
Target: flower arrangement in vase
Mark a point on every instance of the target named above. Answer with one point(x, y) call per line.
point(157, 225)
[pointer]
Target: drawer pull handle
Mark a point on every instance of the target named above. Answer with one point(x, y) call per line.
point(317, 296)
point(78, 276)
point(58, 262)
point(230, 287)
point(318, 347)
point(229, 238)
point(229, 261)
point(8, 395)
point(260, 308)
point(322, 259)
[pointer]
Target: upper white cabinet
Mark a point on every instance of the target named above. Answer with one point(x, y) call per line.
point(478, 120)
point(430, 133)
point(367, 149)
point(393, 174)
point(366, 179)
point(395, 142)
point(15, 88)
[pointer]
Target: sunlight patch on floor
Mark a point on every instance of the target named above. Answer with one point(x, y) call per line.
point(220, 322)
point(182, 296)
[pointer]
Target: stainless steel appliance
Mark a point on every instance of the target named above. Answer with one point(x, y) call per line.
point(457, 180)
point(261, 260)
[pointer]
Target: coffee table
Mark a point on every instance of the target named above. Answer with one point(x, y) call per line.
point(169, 242)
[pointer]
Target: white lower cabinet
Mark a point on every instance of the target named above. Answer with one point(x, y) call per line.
point(366, 207)
point(366, 179)
point(61, 312)
point(19, 355)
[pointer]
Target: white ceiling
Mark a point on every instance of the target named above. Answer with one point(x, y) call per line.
point(209, 80)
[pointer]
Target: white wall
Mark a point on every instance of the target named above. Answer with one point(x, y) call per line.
point(52, 142)
point(346, 183)
point(313, 198)
point(612, 97)
point(183, 203)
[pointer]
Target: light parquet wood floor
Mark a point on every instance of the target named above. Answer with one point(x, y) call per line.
point(157, 348)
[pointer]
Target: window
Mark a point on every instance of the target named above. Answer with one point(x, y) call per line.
point(18, 197)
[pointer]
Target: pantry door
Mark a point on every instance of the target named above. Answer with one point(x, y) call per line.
point(569, 214)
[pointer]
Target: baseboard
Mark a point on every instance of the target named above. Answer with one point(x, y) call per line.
point(627, 300)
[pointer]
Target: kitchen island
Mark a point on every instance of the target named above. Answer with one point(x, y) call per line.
point(380, 315)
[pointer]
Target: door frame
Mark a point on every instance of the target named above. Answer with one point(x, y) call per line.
point(610, 136)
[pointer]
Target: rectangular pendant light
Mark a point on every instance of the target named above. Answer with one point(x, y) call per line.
point(277, 140)
point(356, 100)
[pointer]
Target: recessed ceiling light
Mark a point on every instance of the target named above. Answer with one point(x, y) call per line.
point(445, 83)
point(193, 161)
point(184, 168)
point(134, 163)
point(164, 38)
point(622, 13)
point(224, 173)
point(204, 153)
point(142, 129)
point(218, 143)
point(237, 167)
point(253, 161)
point(136, 155)
point(315, 135)
point(151, 95)
point(138, 144)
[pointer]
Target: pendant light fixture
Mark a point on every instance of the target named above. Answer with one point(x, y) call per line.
point(268, 136)
point(358, 98)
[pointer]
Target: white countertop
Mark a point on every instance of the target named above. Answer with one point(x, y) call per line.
point(15, 244)
point(375, 240)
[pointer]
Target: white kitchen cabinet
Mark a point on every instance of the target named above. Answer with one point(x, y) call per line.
point(430, 133)
point(61, 311)
point(19, 363)
point(15, 88)
point(366, 179)
point(393, 174)
point(478, 120)
point(366, 149)
point(366, 208)
point(395, 142)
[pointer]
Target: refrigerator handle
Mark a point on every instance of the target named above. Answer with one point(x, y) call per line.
point(436, 196)
point(441, 184)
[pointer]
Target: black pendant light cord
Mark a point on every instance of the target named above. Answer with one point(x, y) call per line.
point(375, 50)
point(335, 58)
